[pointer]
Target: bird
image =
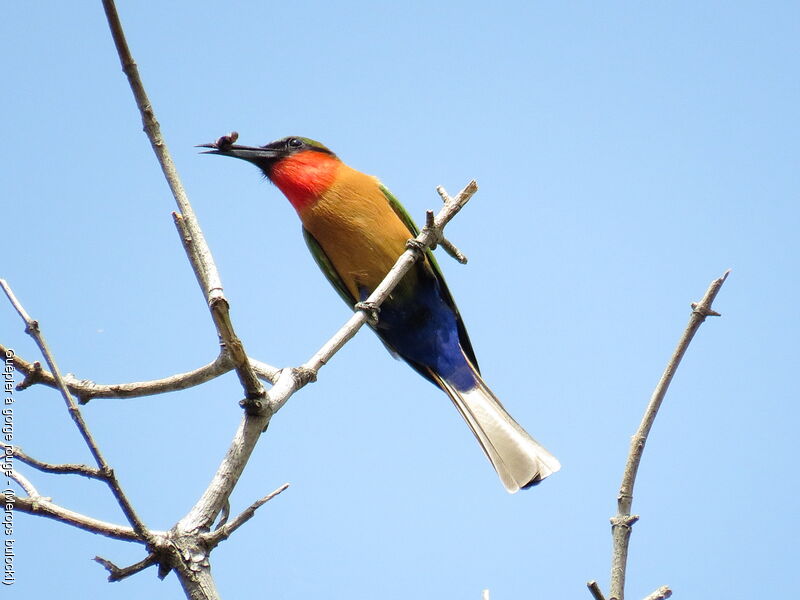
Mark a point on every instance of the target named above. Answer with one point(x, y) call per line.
point(356, 230)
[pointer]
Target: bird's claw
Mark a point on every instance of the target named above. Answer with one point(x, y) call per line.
point(370, 309)
point(415, 245)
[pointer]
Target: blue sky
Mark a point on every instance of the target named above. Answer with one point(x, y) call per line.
point(627, 154)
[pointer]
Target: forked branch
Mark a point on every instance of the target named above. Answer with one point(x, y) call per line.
point(105, 471)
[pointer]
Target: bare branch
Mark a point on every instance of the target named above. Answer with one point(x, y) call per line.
point(191, 235)
point(265, 371)
point(661, 593)
point(32, 328)
point(46, 508)
point(84, 470)
point(622, 522)
point(194, 575)
point(23, 482)
point(224, 531)
point(32, 371)
point(446, 244)
point(594, 590)
point(86, 389)
point(200, 257)
point(116, 573)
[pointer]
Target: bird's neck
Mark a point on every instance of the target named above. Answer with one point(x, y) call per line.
point(304, 177)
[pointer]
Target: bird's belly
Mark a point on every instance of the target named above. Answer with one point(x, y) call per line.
point(362, 254)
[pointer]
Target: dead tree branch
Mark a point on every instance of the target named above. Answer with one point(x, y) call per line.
point(224, 531)
point(192, 236)
point(595, 591)
point(623, 521)
point(84, 470)
point(661, 593)
point(108, 475)
point(116, 573)
point(44, 507)
point(85, 390)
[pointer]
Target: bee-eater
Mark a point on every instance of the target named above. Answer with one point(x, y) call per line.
point(356, 231)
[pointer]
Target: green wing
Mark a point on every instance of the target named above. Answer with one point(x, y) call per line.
point(327, 267)
point(412, 227)
point(333, 276)
point(463, 337)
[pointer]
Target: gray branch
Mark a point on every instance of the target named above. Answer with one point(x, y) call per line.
point(23, 482)
point(44, 507)
point(595, 591)
point(225, 531)
point(623, 521)
point(661, 593)
point(32, 329)
point(84, 470)
point(85, 389)
point(116, 573)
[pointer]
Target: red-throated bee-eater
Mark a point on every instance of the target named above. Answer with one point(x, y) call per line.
point(356, 230)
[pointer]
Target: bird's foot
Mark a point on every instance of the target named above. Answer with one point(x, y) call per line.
point(418, 247)
point(370, 309)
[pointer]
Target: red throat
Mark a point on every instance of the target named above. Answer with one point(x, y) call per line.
point(304, 176)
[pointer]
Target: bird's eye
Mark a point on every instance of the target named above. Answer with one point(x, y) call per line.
point(295, 143)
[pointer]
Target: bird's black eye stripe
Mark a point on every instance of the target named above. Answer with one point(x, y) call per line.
point(295, 143)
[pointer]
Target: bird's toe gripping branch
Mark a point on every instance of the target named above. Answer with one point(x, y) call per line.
point(371, 309)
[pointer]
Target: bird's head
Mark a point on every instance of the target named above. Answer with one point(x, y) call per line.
point(302, 168)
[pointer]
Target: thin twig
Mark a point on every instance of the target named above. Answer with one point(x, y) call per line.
point(32, 328)
point(200, 258)
point(116, 573)
point(446, 244)
point(622, 522)
point(594, 590)
point(46, 508)
point(661, 593)
point(224, 532)
point(84, 470)
point(193, 569)
point(24, 483)
point(199, 253)
point(86, 389)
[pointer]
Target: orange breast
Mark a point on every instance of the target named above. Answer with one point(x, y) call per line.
point(357, 228)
